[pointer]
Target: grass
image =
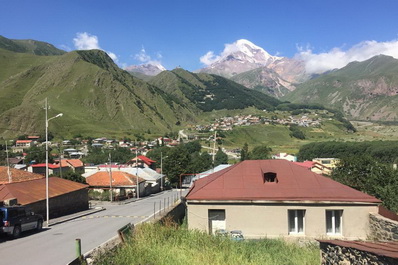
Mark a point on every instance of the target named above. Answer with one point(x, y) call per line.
point(157, 244)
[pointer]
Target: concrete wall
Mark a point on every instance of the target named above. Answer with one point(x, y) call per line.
point(338, 255)
point(271, 220)
point(383, 228)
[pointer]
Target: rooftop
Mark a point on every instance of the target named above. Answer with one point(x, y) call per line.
point(35, 190)
point(248, 181)
point(17, 175)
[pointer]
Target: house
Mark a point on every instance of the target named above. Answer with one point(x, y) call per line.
point(65, 196)
point(277, 198)
point(76, 165)
point(285, 156)
point(11, 175)
point(154, 181)
point(22, 145)
point(142, 161)
point(123, 183)
point(53, 169)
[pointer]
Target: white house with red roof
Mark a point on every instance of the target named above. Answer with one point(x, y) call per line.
point(277, 198)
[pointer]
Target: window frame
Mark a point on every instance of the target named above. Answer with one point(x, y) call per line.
point(334, 223)
point(294, 223)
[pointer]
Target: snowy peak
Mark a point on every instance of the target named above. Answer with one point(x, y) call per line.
point(247, 51)
point(251, 50)
point(152, 68)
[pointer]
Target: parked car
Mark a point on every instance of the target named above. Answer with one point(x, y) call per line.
point(18, 219)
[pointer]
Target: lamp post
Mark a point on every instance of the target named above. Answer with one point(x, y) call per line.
point(47, 199)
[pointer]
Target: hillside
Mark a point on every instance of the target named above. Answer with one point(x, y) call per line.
point(365, 90)
point(29, 46)
point(210, 92)
point(95, 95)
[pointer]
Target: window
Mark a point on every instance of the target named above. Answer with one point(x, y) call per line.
point(270, 177)
point(296, 221)
point(334, 222)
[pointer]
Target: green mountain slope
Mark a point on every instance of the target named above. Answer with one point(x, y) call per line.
point(29, 46)
point(365, 90)
point(95, 96)
point(210, 92)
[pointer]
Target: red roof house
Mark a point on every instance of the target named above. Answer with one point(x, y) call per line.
point(122, 182)
point(278, 198)
point(16, 175)
point(142, 161)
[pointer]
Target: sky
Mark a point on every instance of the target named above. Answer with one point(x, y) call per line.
point(177, 33)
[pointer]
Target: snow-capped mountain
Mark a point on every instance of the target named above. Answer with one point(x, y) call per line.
point(152, 68)
point(243, 56)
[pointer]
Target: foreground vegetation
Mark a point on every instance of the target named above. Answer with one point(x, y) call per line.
point(157, 244)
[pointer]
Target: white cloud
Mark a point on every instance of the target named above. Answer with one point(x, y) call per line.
point(142, 56)
point(338, 58)
point(209, 58)
point(86, 41)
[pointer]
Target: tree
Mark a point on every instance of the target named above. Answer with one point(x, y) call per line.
point(260, 152)
point(244, 153)
point(220, 158)
point(364, 173)
point(37, 154)
point(176, 164)
point(73, 176)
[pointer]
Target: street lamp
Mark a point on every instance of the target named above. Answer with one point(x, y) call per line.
point(47, 199)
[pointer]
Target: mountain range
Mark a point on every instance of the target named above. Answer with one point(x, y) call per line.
point(365, 90)
point(97, 97)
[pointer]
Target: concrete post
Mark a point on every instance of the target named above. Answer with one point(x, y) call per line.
point(78, 248)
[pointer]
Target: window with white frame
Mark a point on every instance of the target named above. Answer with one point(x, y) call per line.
point(334, 222)
point(296, 221)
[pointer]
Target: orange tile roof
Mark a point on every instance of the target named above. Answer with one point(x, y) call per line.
point(119, 179)
point(35, 190)
point(244, 181)
point(23, 141)
point(75, 162)
point(17, 175)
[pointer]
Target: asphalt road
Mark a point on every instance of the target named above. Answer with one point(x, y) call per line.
point(56, 245)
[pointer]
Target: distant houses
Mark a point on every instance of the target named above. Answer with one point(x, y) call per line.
point(277, 198)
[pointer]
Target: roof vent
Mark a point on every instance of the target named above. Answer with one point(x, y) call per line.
point(270, 177)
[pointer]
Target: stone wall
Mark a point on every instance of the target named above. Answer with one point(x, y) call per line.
point(338, 255)
point(382, 228)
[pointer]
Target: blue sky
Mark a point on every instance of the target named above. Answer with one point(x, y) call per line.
point(178, 33)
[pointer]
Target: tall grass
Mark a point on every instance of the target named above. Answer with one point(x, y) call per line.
point(157, 244)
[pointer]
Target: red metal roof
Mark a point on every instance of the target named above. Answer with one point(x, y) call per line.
point(23, 141)
point(306, 164)
point(145, 159)
point(35, 190)
point(17, 175)
point(119, 179)
point(386, 249)
point(52, 166)
point(245, 181)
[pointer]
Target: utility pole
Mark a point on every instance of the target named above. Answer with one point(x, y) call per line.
point(60, 160)
point(136, 164)
point(161, 171)
point(110, 176)
point(214, 146)
point(8, 165)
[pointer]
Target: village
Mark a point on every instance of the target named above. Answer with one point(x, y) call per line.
point(297, 199)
